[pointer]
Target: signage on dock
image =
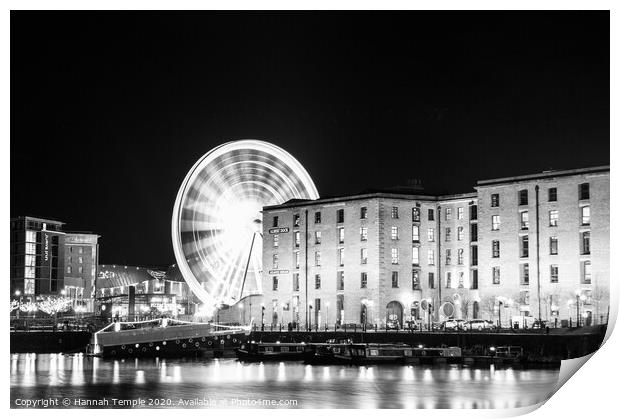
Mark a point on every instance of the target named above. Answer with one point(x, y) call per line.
point(278, 230)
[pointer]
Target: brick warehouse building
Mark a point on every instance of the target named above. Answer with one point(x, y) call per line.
point(499, 251)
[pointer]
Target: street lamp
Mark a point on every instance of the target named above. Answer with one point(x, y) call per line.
point(18, 294)
point(326, 313)
point(310, 319)
point(262, 317)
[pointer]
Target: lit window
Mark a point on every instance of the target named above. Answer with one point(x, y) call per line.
point(415, 259)
point(317, 237)
point(459, 233)
point(340, 235)
point(495, 222)
point(448, 256)
point(586, 276)
point(415, 280)
point(317, 258)
point(341, 257)
point(364, 256)
point(296, 259)
point(431, 234)
point(553, 218)
point(340, 280)
point(448, 234)
point(275, 261)
point(525, 220)
point(415, 233)
point(394, 233)
point(394, 256)
point(68, 269)
point(363, 233)
point(80, 250)
point(297, 238)
point(585, 215)
point(276, 240)
point(431, 257)
point(448, 214)
point(80, 269)
point(459, 213)
point(415, 214)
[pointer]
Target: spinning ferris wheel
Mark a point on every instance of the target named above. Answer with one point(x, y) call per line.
point(217, 220)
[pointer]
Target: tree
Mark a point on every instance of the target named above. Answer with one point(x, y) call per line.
point(14, 304)
point(54, 305)
point(600, 295)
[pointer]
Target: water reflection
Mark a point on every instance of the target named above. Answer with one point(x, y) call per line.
point(58, 375)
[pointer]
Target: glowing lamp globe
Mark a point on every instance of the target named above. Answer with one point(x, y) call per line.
point(217, 219)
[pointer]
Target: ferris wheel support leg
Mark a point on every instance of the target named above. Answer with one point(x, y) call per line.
point(247, 265)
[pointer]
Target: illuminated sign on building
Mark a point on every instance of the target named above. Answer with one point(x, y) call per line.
point(278, 230)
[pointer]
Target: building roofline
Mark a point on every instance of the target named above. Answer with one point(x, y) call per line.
point(45, 220)
point(357, 197)
point(544, 175)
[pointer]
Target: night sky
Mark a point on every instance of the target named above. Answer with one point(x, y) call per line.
point(110, 110)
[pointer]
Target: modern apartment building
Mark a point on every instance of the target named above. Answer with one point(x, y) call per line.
point(37, 257)
point(510, 247)
point(81, 260)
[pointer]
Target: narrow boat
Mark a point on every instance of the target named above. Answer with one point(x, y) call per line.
point(270, 351)
point(376, 353)
point(324, 353)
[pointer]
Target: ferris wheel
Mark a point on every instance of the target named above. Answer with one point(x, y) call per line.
point(217, 220)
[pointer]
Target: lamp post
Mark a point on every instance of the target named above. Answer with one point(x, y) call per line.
point(18, 294)
point(326, 313)
point(262, 317)
point(577, 299)
point(499, 310)
point(310, 318)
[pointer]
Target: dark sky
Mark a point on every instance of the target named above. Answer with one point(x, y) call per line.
point(109, 110)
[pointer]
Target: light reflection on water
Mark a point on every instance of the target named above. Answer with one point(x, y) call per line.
point(335, 386)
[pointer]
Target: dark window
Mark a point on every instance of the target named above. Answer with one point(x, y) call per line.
point(474, 255)
point(340, 281)
point(525, 246)
point(295, 282)
point(275, 221)
point(473, 232)
point(394, 279)
point(431, 280)
point(340, 216)
point(473, 212)
point(274, 282)
point(553, 245)
point(415, 280)
point(363, 213)
point(585, 243)
point(495, 200)
point(495, 248)
point(296, 220)
point(554, 273)
point(364, 280)
point(553, 194)
point(525, 274)
point(317, 282)
point(523, 197)
point(474, 279)
point(496, 275)
point(431, 214)
point(415, 214)
point(317, 217)
point(584, 191)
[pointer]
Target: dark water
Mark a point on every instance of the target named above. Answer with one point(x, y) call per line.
point(226, 383)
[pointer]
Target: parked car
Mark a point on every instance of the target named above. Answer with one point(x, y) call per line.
point(479, 324)
point(453, 324)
